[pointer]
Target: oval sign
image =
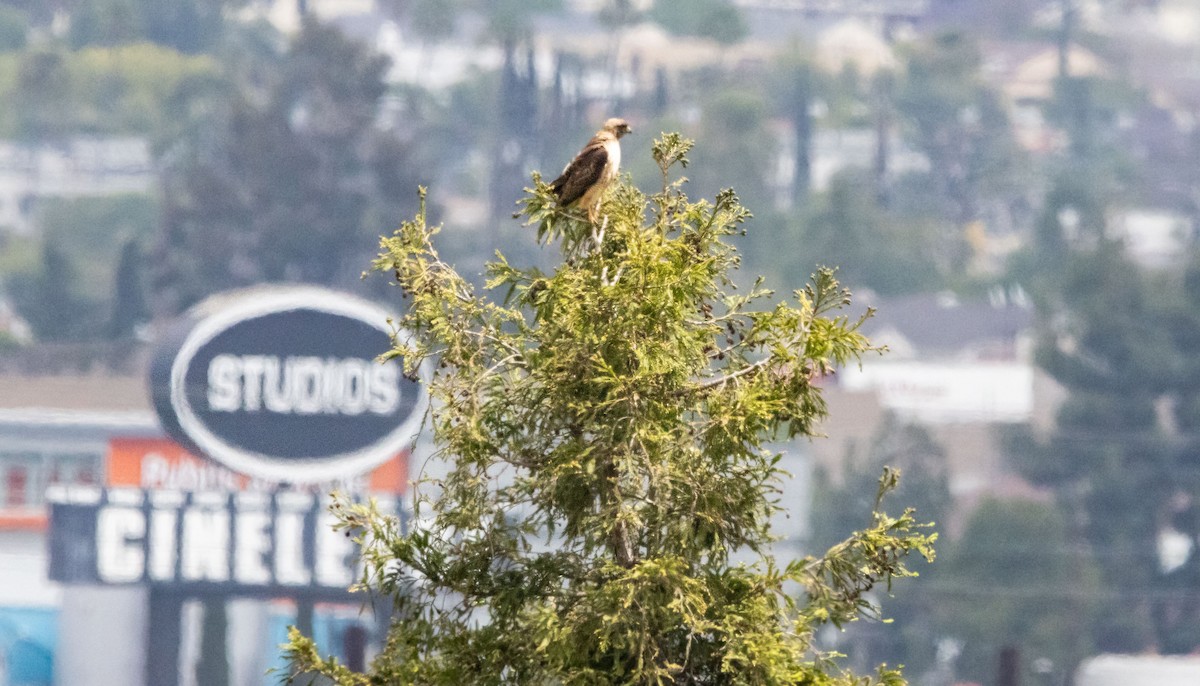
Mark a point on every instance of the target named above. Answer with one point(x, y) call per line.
point(282, 384)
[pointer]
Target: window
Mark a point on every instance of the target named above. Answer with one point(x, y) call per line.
point(25, 475)
point(18, 480)
point(73, 469)
point(16, 485)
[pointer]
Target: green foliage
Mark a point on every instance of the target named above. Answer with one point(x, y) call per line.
point(839, 507)
point(960, 124)
point(719, 20)
point(189, 26)
point(52, 299)
point(604, 430)
point(1123, 459)
point(846, 226)
point(91, 231)
point(433, 19)
point(737, 145)
point(286, 179)
point(14, 27)
point(129, 307)
point(1015, 578)
point(122, 90)
point(508, 20)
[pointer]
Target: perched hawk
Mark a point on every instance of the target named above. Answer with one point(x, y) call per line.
point(585, 178)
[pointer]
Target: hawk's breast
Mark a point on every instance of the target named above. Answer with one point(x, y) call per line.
point(613, 164)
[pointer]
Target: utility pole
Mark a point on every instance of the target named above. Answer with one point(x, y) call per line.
point(1065, 36)
point(1010, 661)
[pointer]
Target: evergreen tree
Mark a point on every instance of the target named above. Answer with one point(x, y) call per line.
point(1123, 458)
point(604, 430)
point(839, 506)
point(129, 293)
point(288, 180)
point(49, 300)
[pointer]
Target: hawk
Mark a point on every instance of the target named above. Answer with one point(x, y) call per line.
point(585, 178)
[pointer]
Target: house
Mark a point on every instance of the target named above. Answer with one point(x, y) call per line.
point(1025, 75)
point(80, 167)
point(855, 42)
point(1139, 670)
point(1154, 238)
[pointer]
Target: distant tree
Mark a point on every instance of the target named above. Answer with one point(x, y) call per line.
point(604, 428)
point(289, 183)
point(618, 13)
point(433, 19)
point(846, 226)
point(50, 298)
point(14, 28)
point(129, 305)
point(1011, 18)
point(123, 90)
point(38, 12)
point(509, 20)
point(1016, 578)
point(959, 124)
point(42, 95)
point(738, 148)
point(515, 145)
point(190, 26)
point(883, 98)
point(719, 20)
point(841, 501)
point(93, 231)
point(1123, 459)
point(798, 92)
point(104, 22)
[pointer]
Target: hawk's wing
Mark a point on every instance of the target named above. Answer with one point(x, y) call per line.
point(582, 173)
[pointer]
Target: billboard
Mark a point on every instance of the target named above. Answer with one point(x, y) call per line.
point(283, 384)
point(230, 542)
point(161, 463)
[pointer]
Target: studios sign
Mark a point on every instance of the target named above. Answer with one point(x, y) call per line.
point(282, 384)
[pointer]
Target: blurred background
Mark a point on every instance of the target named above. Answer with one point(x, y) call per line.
point(1014, 186)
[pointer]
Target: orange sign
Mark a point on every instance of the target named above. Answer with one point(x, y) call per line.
point(160, 463)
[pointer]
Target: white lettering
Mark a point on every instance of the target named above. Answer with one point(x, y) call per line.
point(224, 377)
point(155, 469)
point(306, 373)
point(352, 382)
point(277, 386)
point(206, 544)
point(303, 385)
point(289, 549)
point(253, 544)
point(119, 556)
point(385, 392)
point(333, 549)
point(190, 541)
point(252, 373)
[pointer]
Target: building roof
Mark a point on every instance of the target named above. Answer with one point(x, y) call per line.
point(940, 326)
point(75, 393)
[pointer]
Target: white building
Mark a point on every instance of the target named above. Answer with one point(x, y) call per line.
point(79, 167)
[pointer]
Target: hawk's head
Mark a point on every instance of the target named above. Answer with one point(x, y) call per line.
point(617, 127)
